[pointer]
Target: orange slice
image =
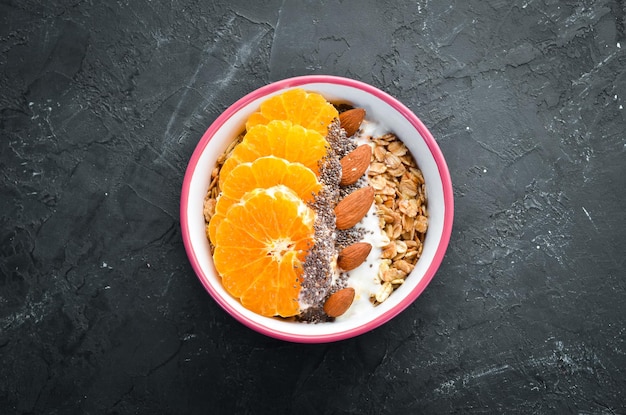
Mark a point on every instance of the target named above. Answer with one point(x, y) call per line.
point(259, 249)
point(264, 172)
point(281, 139)
point(308, 109)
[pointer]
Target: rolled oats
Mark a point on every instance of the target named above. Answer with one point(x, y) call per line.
point(209, 208)
point(378, 182)
point(378, 168)
point(379, 153)
point(421, 224)
point(397, 171)
point(400, 198)
point(397, 148)
point(401, 246)
point(408, 207)
point(404, 266)
point(392, 161)
point(389, 251)
point(385, 291)
point(210, 199)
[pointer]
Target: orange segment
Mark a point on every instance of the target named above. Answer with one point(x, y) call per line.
point(256, 296)
point(259, 249)
point(281, 139)
point(308, 109)
point(264, 172)
point(269, 171)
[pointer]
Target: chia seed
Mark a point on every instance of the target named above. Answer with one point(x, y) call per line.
point(338, 140)
point(349, 236)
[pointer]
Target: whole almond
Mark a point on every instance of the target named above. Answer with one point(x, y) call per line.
point(354, 164)
point(351, 120)
point(339, 302)
point(352, 208)
point(352, 256)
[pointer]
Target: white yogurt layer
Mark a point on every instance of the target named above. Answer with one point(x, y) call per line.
point(364, 279)
point(369, 129)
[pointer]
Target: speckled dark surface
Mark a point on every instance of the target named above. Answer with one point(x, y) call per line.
point(102, 104)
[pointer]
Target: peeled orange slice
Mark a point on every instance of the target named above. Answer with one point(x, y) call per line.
point(308, 109)
point(281, 139)
point(264, 172)
point(259, 249)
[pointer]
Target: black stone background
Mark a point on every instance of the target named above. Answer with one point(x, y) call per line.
point(103, 102)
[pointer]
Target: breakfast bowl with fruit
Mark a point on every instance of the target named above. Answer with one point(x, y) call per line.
point(316, 208)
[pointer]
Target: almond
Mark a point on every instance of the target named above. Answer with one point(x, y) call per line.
point(339, 302)
point(352, 256)
point(352, 208)
point(354, 164)
point(351, 120)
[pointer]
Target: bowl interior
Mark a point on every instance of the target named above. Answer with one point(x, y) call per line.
point(381, 108)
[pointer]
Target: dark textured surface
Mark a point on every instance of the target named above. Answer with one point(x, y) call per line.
point(101, 106)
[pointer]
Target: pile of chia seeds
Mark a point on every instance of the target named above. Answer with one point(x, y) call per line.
point(319, 279)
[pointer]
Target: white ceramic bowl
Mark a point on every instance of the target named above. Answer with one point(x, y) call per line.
point(381, 108)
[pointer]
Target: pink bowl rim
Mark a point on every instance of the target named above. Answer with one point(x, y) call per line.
point(410, 117)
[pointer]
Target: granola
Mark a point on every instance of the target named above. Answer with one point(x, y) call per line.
point(400, 199)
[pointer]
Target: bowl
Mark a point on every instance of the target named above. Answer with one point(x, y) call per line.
point(380, 107)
